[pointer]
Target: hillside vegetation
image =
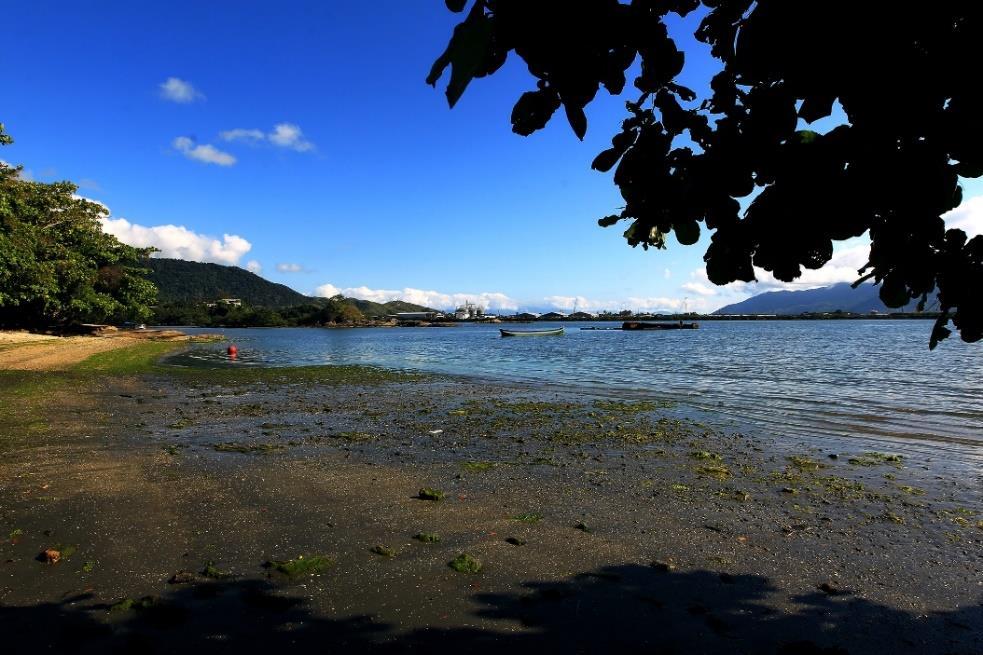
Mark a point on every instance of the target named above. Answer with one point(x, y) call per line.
point(186, 288)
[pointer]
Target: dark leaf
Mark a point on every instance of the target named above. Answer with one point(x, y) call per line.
point(687, 232)
point(816, 106)
point(578, 120)
point(939, 331)
point(533, 111)
point(606, 160)
point(456, 6)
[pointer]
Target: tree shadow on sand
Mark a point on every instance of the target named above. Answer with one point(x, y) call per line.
point(626, 608)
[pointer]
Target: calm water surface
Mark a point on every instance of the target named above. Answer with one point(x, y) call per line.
point(873, 378)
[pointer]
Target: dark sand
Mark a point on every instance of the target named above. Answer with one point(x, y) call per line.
point(764, 555)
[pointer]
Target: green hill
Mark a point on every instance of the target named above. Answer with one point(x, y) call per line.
point(180, 281)
point(376, 310)
point(183, 282)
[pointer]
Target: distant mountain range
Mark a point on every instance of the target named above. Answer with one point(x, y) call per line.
point(183, 282)
point(843, 297)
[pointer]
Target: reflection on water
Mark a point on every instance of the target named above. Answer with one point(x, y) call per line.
point(873, 378)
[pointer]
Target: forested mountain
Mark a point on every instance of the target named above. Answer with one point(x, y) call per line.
point(180, 281)
point(184, 287)
point(843, 297)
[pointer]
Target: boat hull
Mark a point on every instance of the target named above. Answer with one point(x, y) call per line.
point(531, 333)
point(637, 325)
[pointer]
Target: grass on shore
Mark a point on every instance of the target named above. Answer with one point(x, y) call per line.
point(331, 374)
point(132, 360)
point(26, 395)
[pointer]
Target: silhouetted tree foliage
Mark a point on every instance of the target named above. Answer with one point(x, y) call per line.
point(914, 125)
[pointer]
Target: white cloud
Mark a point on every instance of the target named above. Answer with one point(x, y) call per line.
point(284, 135)
point(667, 274)
point(664, 305)
point(242, 134)
point(178, 90)
point(206, 153)
point(327, 291)
point(699, 288)
point(435, 299)
point(178, 241)
point(568, 303)
point(254, 266)
point(967, 217)
point(655, 304)
point(288, 135)
point(289, 268)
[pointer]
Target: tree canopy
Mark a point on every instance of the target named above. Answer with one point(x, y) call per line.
point(57, 266)
point(913, 127)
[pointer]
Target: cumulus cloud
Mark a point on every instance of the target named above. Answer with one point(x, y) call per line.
point(699, 288)
point(967, 217)
point(178, 242)
point(288, 267)
point(283, 135)
point(665, 305)
point(205, 153)
point(435, 299)
point(254, 266)
point(288, 135)
point(654, 304)
point(177, 90)
point(327, 291)
point(568, 303)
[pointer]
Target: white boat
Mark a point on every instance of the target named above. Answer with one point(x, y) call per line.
point(553, 332)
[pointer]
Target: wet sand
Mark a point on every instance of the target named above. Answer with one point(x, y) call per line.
point(640, 528)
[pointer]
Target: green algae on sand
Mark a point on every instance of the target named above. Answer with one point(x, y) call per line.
point(302, 565)
point(429, 493)
point(465, 563)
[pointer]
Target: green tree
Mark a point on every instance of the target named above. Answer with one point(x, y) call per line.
point(684, 158)
point(57, 266)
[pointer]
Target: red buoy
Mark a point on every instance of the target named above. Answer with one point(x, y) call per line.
point(233, 351)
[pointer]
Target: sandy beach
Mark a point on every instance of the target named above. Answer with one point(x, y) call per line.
point(182, 500)
point(28, 351)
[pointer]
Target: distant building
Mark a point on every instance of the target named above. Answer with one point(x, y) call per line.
point(231, 302)
point(469, 312)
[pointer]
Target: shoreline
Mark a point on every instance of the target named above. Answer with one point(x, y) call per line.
point(955, 449)
point(28, 351)
point(240, 467)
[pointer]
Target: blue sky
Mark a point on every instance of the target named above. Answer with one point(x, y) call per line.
point(305, 132)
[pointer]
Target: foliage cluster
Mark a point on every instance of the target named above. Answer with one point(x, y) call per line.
point(57, 266)
point(824, 121)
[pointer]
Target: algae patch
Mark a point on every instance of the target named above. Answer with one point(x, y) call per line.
point(429, 493)
point(384, 551)
point(528, 517)
point(302, 565)
point(465, 563)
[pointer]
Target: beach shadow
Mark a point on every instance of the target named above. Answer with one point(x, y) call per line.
point(629, 608)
